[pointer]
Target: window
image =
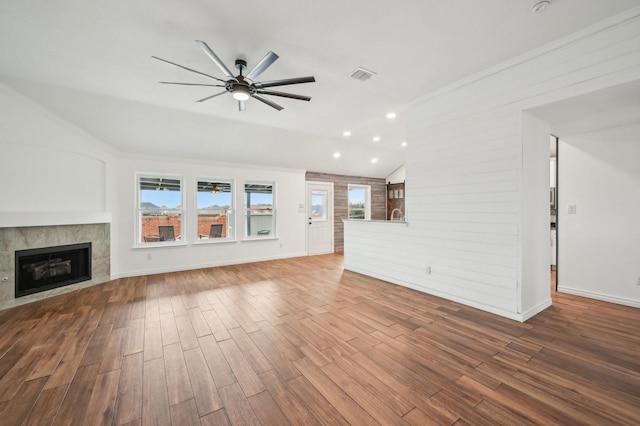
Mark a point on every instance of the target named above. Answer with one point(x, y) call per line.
point(319, 202)
point(160, 209)
point(259, 209)
point(214, 202)
point(359, 202)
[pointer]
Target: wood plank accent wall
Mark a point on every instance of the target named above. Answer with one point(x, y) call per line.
point(340, 200)
point(467, 183)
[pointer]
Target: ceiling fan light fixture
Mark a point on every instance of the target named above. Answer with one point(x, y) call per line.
point(241, 93)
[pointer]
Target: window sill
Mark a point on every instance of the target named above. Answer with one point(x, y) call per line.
point(269, 238)
point(207, 241)
point(161, 244)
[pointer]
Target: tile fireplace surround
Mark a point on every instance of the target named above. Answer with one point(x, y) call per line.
point(30, 237)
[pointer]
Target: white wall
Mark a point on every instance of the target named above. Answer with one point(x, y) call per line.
point(471, 169)
point(290, 219)
point(46, 164)
point(599, 246)
point(536, 251)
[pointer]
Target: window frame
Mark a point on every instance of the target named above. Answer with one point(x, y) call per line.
point(139, 212)
point(273, 231)
point(367, 200)
point(231, 212)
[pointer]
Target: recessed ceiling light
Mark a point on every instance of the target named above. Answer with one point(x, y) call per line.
point(376, 139)
point(403, 144)
point(540, 6)
point(374, 160)
point(336, 155)
point(346, 133)
point(391, 115)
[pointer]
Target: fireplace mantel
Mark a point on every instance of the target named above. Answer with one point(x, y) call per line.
point(22, 219)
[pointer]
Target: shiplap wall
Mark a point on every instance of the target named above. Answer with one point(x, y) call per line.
point(473, 176)
point(341, 200)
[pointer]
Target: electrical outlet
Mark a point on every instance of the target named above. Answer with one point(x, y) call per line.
point(428, 270)
point(638, 283)
point(572, 209)
point(148, 256)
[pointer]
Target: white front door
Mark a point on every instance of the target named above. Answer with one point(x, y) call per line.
point(320, 217)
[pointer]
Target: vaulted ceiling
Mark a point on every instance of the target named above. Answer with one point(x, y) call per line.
point(90, 63)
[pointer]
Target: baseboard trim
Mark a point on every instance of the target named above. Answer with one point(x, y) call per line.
point(599, 296)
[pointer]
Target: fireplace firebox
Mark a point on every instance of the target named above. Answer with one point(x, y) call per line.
point(51, 267)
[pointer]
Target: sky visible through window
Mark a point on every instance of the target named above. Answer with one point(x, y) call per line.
point(357, 195)
point(207, 199)
point(172, 199)
point(259, 199)
point(162, 199)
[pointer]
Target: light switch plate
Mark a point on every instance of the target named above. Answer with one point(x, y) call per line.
point(572, 209)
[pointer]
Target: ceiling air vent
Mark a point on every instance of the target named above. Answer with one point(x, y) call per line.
point(361, 74)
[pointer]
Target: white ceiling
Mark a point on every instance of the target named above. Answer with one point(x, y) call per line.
point(90, 62)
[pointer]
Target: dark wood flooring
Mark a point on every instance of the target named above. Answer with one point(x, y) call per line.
point(299, 341)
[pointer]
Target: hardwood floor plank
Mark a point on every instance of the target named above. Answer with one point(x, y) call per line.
point(74, 405)
point(152, 340)
point(253, 354)
point(347, 407)
point(178, 382)
point(266, 410)
point(155, 398)
point(320, 407)
point(169, 329)
point(386, 393)
point(204, 387)
point(135, 337)
point(276, 355)
point(188, 338)
point(101, 407)
point(237, 406)
point(242, 369)
point(25, 397)
point(45, 408)
point(114, 348)
point(129, 402)
point(200, 326)
point(217, 418)
point(215, 325)
point(369, 401)
point(185, 413)
point(217, 363)
point(292, 407)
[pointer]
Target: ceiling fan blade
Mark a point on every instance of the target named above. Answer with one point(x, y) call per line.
point(268, 102)
point(192, 84)
point(284, 82)
point(215, 59)
point(284, 95)
point(212, 96)
point(188, 69)
point(242, 106)
point(261, 67)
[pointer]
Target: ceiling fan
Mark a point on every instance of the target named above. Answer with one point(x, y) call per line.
point(242, 87)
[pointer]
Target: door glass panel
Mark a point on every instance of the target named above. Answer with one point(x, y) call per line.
point(318, 205)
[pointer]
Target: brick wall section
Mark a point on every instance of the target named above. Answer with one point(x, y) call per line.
point(150, 224)
point(340, 200)
point(204, 224)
